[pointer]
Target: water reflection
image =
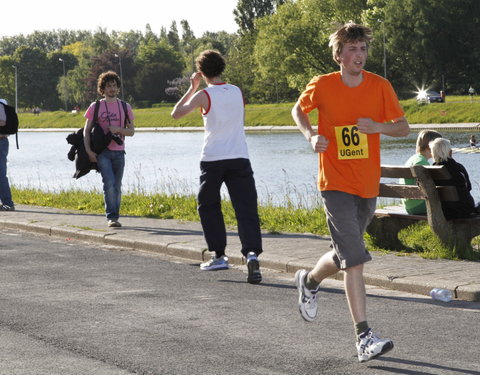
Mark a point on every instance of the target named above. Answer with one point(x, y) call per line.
point(284, 165)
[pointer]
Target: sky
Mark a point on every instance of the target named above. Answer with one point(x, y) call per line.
point(26, 16)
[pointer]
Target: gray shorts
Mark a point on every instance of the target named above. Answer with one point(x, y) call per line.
point(348, 216)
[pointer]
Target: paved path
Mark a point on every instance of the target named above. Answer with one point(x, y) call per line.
point(284, 252)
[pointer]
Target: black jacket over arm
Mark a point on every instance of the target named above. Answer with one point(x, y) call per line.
point(466, 205)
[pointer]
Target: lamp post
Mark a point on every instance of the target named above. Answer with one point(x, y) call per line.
point(16, 97)
point(121, 74)
point(384, 51)
point(64, 82)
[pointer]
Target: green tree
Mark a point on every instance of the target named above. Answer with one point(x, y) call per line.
point(129, 40)
point(163, 34)
point(248, 11)
point(241, 66)
point(35, 83)
point(149, 34)
point(349, 10)
point(302, 29)
point(153, 52)
point(76, 77)
point(152, 81)
point(221, 41)
point(173, 37)
point(102, 41)
point(7, 83)
point(47, 41)
point(437, 46)
point(8, 45)
point(76, 81)
point(189, 46)
point(187, 33)
point(157, 63)
point(56, 60)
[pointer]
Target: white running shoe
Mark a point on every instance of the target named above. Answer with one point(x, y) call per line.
point(114, 224)
point(215, 264)
point(307, 299)
point(371, 346)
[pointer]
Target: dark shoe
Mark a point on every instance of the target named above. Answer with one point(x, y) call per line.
point(6, 207)
point(254, 274)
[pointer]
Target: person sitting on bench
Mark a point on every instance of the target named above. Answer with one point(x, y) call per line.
point(465, 206)
point(423, 153)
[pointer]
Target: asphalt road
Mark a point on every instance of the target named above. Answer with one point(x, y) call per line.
point(73, 308)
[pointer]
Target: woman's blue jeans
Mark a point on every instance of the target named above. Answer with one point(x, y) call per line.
point(111, 165)
point(5, 193)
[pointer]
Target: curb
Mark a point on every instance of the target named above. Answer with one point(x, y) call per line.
point(422, 285)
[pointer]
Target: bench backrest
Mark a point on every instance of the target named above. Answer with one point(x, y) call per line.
point(433, 172)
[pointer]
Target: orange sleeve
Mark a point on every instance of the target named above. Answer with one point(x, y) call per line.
point(393, 109)
point(308, 98)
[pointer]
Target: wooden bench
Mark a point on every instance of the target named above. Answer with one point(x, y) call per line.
point(388, 221)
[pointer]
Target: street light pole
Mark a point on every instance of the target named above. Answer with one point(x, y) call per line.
point(384, 50)
point(64, 82)
point(121, 74)
point(16, 97)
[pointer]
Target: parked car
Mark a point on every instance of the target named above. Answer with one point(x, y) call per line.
point(429, 96)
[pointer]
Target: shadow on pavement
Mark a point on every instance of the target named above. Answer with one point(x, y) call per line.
point(420, 364)
point(454, 304)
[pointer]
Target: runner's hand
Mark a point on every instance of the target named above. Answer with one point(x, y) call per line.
point(368, 126)
point(195, 80)
point(319, 143)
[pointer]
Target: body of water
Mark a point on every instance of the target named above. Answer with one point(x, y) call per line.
point(285, 167)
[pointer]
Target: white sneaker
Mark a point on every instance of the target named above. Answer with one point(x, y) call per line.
point(215, 263)
point(114, 224)
point(370, 346)
point(307, 299)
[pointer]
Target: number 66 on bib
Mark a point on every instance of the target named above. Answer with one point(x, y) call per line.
point(351, 143)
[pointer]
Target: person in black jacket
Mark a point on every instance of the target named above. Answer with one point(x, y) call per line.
point(5, 192)
point(442, 155)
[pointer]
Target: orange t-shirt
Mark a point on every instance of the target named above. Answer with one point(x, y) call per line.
point(351, 162)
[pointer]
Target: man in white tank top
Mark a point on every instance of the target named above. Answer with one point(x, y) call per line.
point(224, 159)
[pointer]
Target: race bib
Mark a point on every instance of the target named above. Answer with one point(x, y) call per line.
point(351, 143)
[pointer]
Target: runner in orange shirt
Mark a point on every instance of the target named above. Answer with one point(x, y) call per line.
point(354, 108)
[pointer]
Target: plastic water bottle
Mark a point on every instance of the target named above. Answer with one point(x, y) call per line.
point(439, 294)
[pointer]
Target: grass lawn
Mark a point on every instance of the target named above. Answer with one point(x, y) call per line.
point(457, 109)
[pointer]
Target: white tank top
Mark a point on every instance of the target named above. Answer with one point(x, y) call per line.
point(223, 120)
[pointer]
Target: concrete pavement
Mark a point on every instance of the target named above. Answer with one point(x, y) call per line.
point(282, 252)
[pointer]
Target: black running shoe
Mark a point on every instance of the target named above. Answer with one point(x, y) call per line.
point(254, 274)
